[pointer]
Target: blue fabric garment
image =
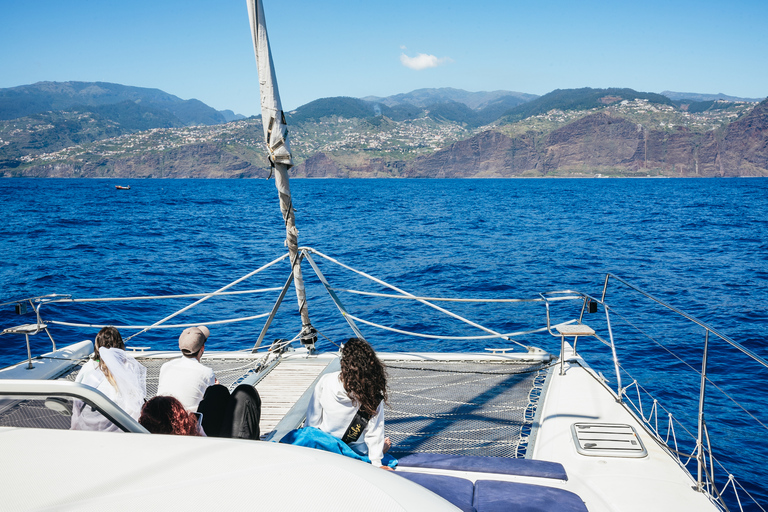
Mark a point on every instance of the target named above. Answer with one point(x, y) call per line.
point(312, 437)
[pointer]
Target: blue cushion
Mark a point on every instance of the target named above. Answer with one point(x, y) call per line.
point(494, 496)
point(498, 465)
point(458, 491)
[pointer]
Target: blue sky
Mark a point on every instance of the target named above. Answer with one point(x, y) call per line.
point(202, 48)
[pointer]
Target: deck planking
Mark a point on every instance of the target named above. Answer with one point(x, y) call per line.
point(283, 387)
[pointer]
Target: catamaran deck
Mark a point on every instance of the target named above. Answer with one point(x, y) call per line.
point(438, 403)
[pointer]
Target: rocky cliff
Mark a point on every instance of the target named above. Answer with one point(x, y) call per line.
point(603, 144)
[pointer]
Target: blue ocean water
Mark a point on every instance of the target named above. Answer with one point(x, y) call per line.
point(701, 245)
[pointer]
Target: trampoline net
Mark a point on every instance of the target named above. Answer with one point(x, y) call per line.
point(51, 412)
point(229, 371)
point(56, 411)
point(462, 407)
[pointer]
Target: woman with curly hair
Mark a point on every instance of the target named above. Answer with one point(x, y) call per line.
point(349, 404)
point(166, 415)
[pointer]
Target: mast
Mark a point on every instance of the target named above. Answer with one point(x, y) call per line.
point(279, 151)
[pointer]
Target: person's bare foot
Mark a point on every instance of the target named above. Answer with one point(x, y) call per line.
point(387, 444)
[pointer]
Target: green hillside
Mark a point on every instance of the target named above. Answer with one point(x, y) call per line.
point(341, 106)
point(27, 100)
point(474, 100)
point(578, 99)
point(448, 110)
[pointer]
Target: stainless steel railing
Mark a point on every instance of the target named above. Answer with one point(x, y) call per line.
point(704, 472)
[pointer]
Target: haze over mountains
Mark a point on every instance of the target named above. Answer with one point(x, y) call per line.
point(102, 129)
point(41, 97)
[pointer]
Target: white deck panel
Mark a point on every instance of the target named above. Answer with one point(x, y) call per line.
point(656, 482)
point(162, 472)
point(283, 386)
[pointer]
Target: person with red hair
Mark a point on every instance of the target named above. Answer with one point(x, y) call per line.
point(166, 415)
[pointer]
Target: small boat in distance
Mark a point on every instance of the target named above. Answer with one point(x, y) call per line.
point(120, 187)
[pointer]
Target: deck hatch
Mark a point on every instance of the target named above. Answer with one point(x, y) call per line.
point(607, 440)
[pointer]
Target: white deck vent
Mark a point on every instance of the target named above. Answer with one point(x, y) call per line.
point(607, 440)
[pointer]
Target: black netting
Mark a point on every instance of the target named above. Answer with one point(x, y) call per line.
point(34, 413)
point(461, 407)
point(229, 371)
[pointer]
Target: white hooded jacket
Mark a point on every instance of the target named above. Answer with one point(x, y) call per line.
point(331, 410)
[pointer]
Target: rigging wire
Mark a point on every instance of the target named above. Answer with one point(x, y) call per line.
point(698, 372)
point(161, 297)
point(447, 299)
point(329, 339)
point(440, 337)
point(165, 326)
point(426, 303)
point(690, 456)
point(210, 295)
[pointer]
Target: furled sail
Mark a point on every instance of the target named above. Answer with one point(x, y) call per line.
point(278, 147)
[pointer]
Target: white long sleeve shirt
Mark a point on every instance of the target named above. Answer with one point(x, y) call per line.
point(186, 379)
point(331, 410)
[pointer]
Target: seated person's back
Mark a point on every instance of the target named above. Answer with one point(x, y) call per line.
point(186, 378)
point(224, 414)
point(117, 375)
point(349, 404)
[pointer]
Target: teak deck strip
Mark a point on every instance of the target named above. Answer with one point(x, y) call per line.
point(284, 385)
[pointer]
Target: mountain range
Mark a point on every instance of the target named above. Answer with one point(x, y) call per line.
point(103, 129)
point(42, 97)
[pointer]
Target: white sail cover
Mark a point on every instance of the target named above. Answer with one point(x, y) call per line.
point(276, 135)
point(275, 129)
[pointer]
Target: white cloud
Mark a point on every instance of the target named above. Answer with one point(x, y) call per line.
point(423, 61)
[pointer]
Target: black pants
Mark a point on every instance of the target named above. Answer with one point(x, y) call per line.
point(235, 416)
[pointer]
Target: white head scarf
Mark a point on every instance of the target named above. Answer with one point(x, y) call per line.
point(130, 377)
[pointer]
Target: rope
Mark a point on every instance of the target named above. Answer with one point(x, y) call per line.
point(426, 303)
point(284, 344)
point(213, 294)
point(278, 346)
point(754, 500)
point(445, 299)
point(253, 363)
point(640, 386)
point(433, 336)
point(161, 297)
point(174, 326)
point(675, 450)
